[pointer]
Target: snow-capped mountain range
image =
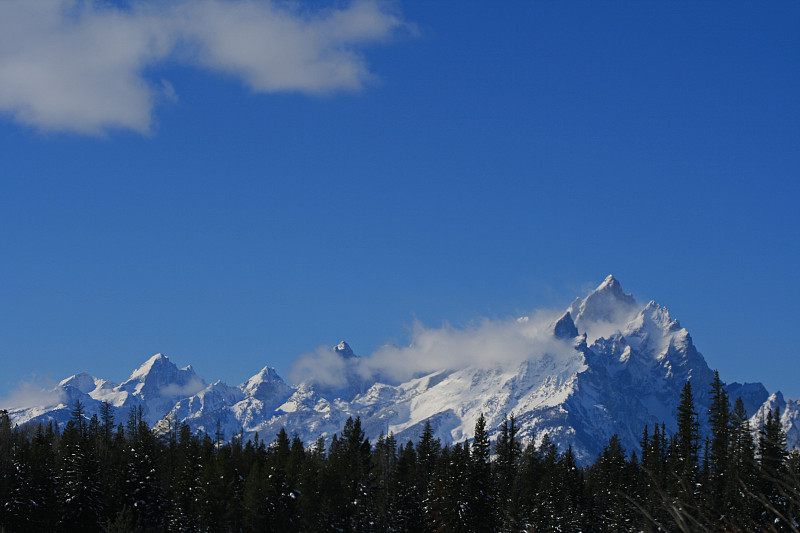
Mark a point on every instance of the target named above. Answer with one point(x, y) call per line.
point(605, 366)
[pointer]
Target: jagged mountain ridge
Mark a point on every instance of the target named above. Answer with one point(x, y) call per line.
point(606, 366)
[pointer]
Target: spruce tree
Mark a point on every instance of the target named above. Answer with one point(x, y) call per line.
point(679, 506)
point(184, 488)
point(280, 495)
point(527, 484)
point(384, 464)
point(687, 439)
point(78, 488)
point(609, 482)
point(743, 470)
point(408, 496)
point(20, 504)
point(214, 488)
point(718, 464)
point(6, 467)
point(255, 499)
point(143, 492)
point(483, 493)
point(311, 504)
point(427, 450)
point(571, 501)
point(457, 509)
point(772, 446)
point(772, 460)
point(507, 451)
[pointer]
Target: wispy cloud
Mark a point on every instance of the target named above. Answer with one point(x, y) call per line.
point(32, 392)
point(484, 344)
point(80, 65)
point(322, 367)
point(194, 386)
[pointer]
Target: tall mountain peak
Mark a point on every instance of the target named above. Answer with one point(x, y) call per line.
point(607, 303)
point(159, 376)
point(156, 362)
point(344, 351)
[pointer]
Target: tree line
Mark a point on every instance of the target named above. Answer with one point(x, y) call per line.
point(94, 475)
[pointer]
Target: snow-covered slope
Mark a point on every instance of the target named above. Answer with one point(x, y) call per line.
point(155, 387)
point(605, 366)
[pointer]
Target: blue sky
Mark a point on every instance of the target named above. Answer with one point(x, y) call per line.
point(235, 184)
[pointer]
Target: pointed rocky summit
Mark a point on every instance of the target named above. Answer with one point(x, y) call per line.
point(607, 303)
point(344, 351)
point(565, 327)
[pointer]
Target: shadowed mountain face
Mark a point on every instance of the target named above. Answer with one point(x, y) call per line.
point(605, 366)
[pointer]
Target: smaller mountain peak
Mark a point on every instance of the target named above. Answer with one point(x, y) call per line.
point(343, 350)
point(157, 361)
point(565, 327)
point(266, 374)
point(266, 385)
point(84, 382)
point(610, 281)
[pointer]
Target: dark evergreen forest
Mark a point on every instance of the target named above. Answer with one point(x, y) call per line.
point(97, 475)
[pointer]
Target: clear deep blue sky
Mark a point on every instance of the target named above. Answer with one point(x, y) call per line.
point(491, 158)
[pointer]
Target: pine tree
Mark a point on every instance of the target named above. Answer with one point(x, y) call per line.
point(143, 492)
point(609, 482)
point(357, 452)
point(6, 467)
point(280, 494)
point(384, 463)
point(546, 515)
point(427, 451)
point(527, 484)
point(347, 493)
point(772, 445)
point(78, 488)
point(772, 460)
point(255, 499)
point(718, 464)
point(483, 494)
point(408, 496)
point(311, 504)
point(184, 485)
point(571, 501)
point(508, 450)
point(20, 503)
point(743, 470)
point(454, 478)
point(215, 488)
point(679, 505)
point(687, 439)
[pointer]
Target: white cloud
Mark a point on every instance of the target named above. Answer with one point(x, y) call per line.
point(191, 388)
point(485, 344)
point(34, 392)
point(80, 65)
point(322, 367)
